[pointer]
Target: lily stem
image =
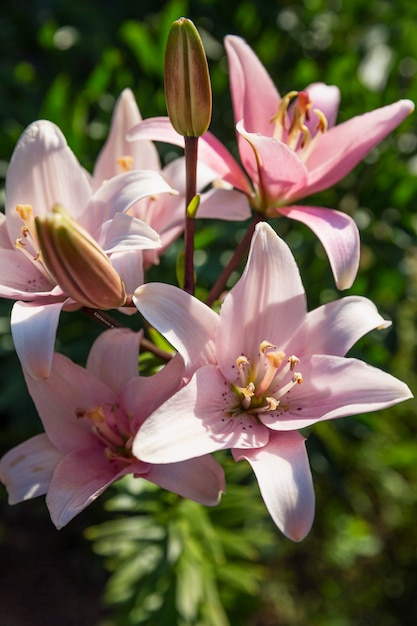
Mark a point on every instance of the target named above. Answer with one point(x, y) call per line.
point(234, 262)
point(191, 145)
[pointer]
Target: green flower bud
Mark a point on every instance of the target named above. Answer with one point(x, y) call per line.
point(77, 263)
point(187, 80)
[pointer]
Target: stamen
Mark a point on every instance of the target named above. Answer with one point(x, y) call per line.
point(297, 379)
point(247, 393)
point(241, 363)
point(293, 361)
point(271, 405)
point(125, 163)
point(320, 129)
point(280, 117)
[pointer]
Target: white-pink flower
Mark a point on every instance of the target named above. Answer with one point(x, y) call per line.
point(290, 148)
point(259, 371)
point(44, 172)
point(164, 213)
point(90, 417)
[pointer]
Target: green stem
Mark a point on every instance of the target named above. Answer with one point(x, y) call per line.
point(191, 145)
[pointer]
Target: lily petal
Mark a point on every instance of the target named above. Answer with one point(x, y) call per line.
point(353, 140)
point(188, 324)
point(283, 473)
point(268, 302)
point(339, 236)
point(145, 155)
point(119, 193)
point(21, 279)
point(201, 479)
point(142, 395)
point(123, 346)
point(63, 398)
point(224, 204)
point(335, 327)
point(193, 422)
point(335, 387)
point(275, 168)
point(33, 328)
point(27, 469)
point(42, 154)
point(79, 479)
point(249, 79)
point(326, 98)
point(124, 232)
point(210, 150)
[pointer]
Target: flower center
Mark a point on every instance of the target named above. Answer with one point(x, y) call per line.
point(262, 385)
point(110, 424)
point(290, 123)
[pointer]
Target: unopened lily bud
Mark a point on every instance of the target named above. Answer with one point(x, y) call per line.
point(77, 263)
point(187, 80)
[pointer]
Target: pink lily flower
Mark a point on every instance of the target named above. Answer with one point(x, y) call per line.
point(44, 172)
point(291, 148)
point(258, 372)
point(90, 417)
point(164, 213)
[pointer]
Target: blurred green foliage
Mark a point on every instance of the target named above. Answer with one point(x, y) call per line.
point(68, 62)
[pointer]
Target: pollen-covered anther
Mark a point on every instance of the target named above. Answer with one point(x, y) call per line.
point(280, 116)
point(241, 361)
point(293, 361)
point(109, 454)
point(97, 414)
point(247, 393)
point(272, 403)
point(297, 378)
point(125, 163)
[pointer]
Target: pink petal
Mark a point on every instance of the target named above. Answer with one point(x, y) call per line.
point(33, 328)
point(336, 326)
point(113, 358)
point(283, 474)
point(145, 156)
point(27, 469)
point(345, 145)
point(276, 169)
point(61, 399)
point(201, 479)
point(21, 279)
point(267, 303)
point(210, 150)
point(254, 96)
point(5, 242)
point(79, 479)
point(188, 324)
point(335, 387)
point(124, 233)
point(142, 395)
point(130, 267)
point(224, 204)
point(43, 172)
point(119, 193)
point(326, 98)
point(339, 236)
point(194, 422)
